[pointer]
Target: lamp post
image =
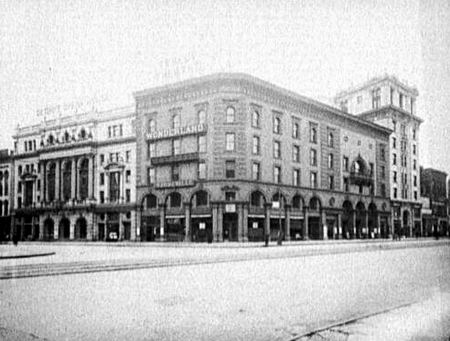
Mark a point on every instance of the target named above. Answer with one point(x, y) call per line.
point(280, 232)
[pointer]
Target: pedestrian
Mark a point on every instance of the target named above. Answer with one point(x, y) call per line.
point(15, 239)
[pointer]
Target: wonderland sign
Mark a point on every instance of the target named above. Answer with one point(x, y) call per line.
point(171, 132)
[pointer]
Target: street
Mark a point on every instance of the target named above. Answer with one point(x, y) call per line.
point(269, 299)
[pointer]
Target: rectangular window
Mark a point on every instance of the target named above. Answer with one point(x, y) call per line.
point(102, 159)
point(346, 185)
point(313, 157)
point(229, 142)
point(412, 106)
point(415, 195)
point(175, 173)
point(414, 134)
point(25, 146)
point(415, 180)
point(127, 195)
point(345, 165)
point(230, 113)
point(102, 179)
point(102, 197)
point(120, 130)
point(151, 149)
point(296, 153)
point(371, 168)
point(202, 144)
point(382, 152)
point(109, 131)
point(394, 142)
point(395, 193)
point(128, 155)
point(151, 175)
point(394, 159)
point(127, 176)
point(395, 177)
point(38, 186)
point(295, 129)
point(312, 132)
point(277, 124)
point(313, 180)
point(392, 95)
point(255, 118)
point(296, 177)
point(256, 171)
point(415, 164)
point(330, 161)
point(202, 170)
point(256, 145)
point(383, 172)
point(400, 100)
point(277, 149)
point(277, 174)
point(376, 98)
point(414, 149)
point(176, 146)
point(331, 182)
point(230, 166)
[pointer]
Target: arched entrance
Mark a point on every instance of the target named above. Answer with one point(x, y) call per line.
point(406, 223)
point(374, 229)
point(297, 217)
point(48, 229)
point(64, 229)
point(201, 219)
point(360, 220)
point(315, 228)
point(175, 222)
point(150, 219)
point(256, 216)
point(81, 228)
point(347, 220)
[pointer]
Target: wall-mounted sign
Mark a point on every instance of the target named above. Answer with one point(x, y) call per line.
point(275, 204)
point(168, 133)
point(173, 184)
point(202, 226)
point(230, 208)
point(255, 224)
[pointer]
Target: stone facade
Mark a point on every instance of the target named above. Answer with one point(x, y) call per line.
point(75, 178)
point(392, 104)
point(6, 193)
point(265, 160)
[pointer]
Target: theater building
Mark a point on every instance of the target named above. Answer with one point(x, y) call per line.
point(6, 167)
point(388, 102)
point(232, 157)
point(74, 177)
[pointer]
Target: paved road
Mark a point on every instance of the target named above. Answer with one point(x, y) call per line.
point(271, 299)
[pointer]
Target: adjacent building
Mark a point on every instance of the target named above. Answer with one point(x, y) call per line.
point(74, 177)
point(433, 189)
point(232, 157)
point(6, 180)
point(390, 103)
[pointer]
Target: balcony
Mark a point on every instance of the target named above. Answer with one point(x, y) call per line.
point(361, 178)
point(179, 158)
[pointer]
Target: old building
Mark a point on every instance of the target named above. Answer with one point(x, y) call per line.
point(433, 189)
point(74, 177)
point(6, 180)
point(392, 104)
point(232, 157)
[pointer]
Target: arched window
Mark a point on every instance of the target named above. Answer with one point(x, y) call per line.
point(255, 118)
point(50, 139)
point(202, 117)
point(330, 160)
point(201, 198)
point(51, 182)
point(230, 114)
point(176, 121)
point(1, 183)
point(6, 207)
point(67, 181)
point(1, 209)
point(6, 188)
point(82, 133)
point(151, 201)
point(314, 204)
point(175, 200)
point(151, 126)
point(297, 202)
point(66, 137)
point(330, 140)
point(83, 176)
point(256, 199)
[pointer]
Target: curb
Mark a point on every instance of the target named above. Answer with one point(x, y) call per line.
point(29, 255)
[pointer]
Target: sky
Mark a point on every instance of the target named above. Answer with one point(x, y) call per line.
point(60, 52)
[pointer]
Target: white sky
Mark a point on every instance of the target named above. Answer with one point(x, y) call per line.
point(56, 52)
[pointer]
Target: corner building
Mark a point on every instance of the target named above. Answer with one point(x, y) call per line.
point(388, 102)
point(74, 177)
point(232, 157)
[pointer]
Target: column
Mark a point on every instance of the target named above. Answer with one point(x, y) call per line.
point(354, 223)
point(378, 225)
point(215, 219)
point(58, 181)
point(267, 221)
point(77, 181)
point(306, 224)
point(220, 223)
point(56, 221)
point(121, 227)
point(122, 186)
point(240, 227)
point(44, 182)
point(162, 221)
point(32, 227)
point(135, 223)
point(245, 222)
point(106, 187)
point(323, 219)
point(367, 223)
point(91, 177)
point(94, 226)
point(23, 192)
point(35, 203)
point(339, 226)
point(287, 223)
point(73, 180)
point(187, 219)
point(41, 228)
point(72, 228)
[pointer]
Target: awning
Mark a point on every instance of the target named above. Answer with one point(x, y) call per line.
point(256, 216)
point(201, 216)
point(174, 216)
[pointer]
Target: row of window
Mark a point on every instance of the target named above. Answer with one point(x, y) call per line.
point(4, 208)
point(127, 177)
point(29, 146)
point(176, 119)
point(404, 193)
point(403, 145)
point(4, 183)
point(115, 131)
point(404, 179)
point(116, 157)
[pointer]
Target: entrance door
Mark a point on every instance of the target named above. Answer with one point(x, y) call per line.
point(314, 228)
point(230, 227)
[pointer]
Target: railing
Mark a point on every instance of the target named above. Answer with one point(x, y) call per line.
point(365, 179)
point(178, 158)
